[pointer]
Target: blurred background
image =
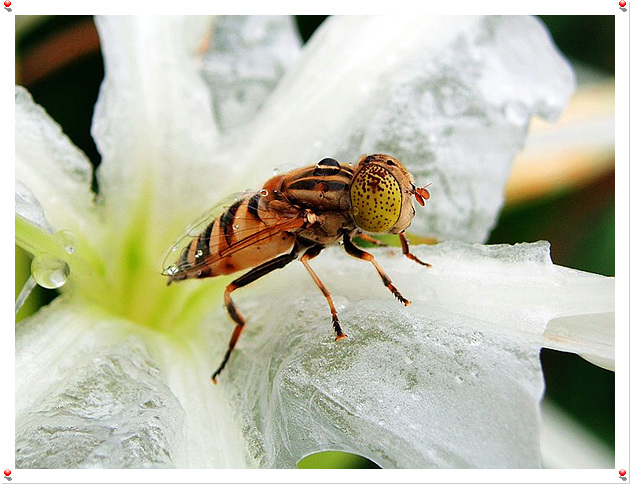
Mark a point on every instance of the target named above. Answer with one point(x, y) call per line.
point(562, 189)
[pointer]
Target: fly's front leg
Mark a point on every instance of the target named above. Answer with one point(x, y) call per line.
point(311, 253)
point(354, 251)
point(372, 240)
point(405, 249)
point(235, 314)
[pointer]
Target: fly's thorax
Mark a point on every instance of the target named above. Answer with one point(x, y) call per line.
point(381, 195)
point(322, 187)
point(329, 228)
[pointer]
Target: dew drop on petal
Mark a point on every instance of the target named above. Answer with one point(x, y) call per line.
point(67, 240)
point(49, 272)
point(264, 192)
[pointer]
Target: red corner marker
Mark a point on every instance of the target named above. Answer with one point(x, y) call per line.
point(7, 4)
point(7, 472)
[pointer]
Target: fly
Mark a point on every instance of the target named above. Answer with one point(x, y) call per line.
point(296, 215)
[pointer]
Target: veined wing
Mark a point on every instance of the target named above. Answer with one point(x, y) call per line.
point(234, 224)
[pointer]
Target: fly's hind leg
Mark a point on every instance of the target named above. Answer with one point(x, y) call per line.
point(256, 273)
point(404, 243)
point(311, 253)
point(354, 251)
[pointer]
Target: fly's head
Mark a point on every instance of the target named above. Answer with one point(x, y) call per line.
point(382, 193)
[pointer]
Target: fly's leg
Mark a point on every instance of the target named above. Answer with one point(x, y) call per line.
point(354, 251)
point(405, 249)
point(372, 240)
point(256, 273)
point(311, 253)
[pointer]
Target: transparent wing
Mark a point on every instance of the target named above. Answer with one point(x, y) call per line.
point(244, 228)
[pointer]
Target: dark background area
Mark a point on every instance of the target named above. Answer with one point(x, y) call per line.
point(579, 223)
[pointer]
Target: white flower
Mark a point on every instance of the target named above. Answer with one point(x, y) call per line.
point(116, 371)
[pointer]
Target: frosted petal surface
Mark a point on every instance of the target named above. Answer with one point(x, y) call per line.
point(101, 403)
point(247, 57)
point(453, 380)
point(53, 177)
point(441, 94)
point(108, 395)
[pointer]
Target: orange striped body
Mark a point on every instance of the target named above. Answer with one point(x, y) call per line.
point(258, 226)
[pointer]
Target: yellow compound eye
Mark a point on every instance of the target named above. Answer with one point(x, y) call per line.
point(376, 199)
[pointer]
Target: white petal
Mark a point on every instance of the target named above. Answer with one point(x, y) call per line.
point(50, 172)
point(27, 207)
point(590, 334)
point(247, 56)
point(93, 398)
point(109, 394)
point(153, 122)
point(442, 94)
point(408, 387)
point(214, 435)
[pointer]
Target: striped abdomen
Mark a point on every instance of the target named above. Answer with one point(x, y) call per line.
point(244, 235)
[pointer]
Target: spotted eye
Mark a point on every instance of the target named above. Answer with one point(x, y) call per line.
point(376, 199)
point(327, 167)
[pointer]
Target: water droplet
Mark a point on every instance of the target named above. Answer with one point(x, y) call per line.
point(67, 239)
point(264, 192)
point(198, 254)
point(275, 172)
point(235, 226)
point(49, 272)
